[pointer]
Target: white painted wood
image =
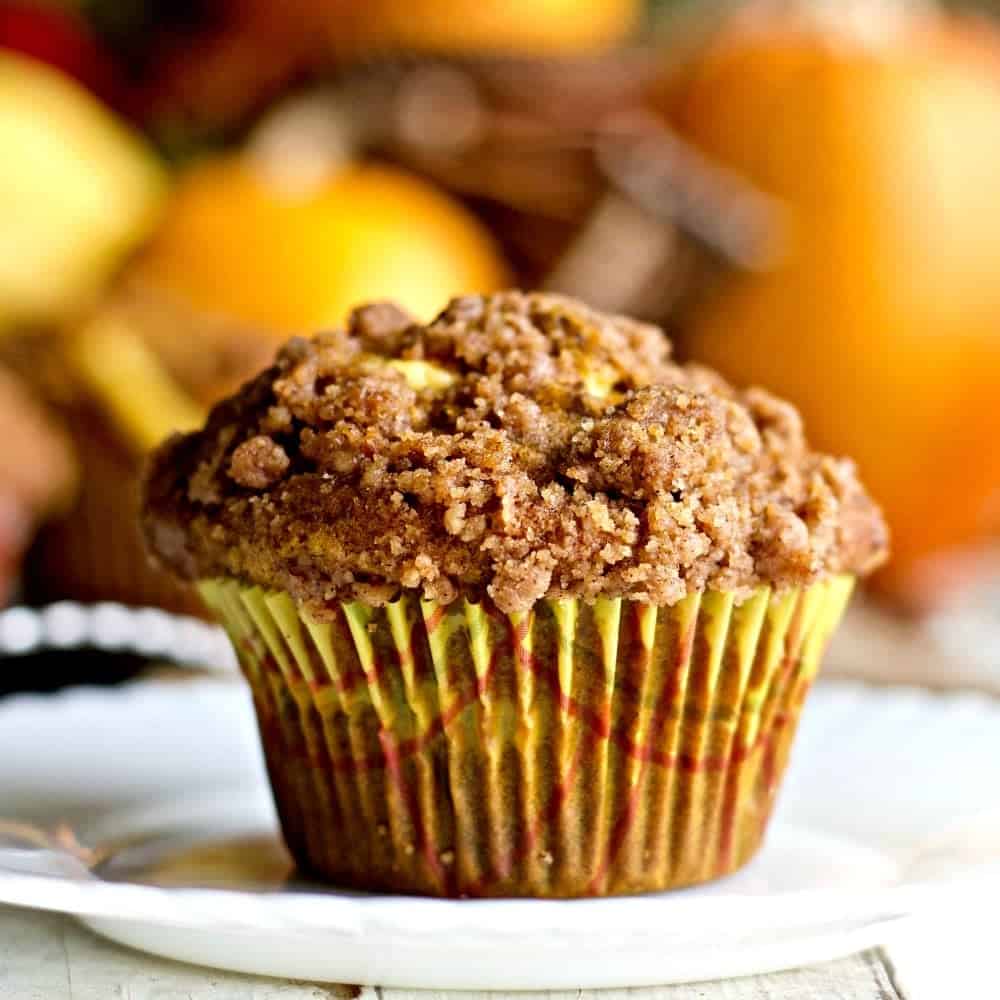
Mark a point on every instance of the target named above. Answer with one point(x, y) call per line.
point(50, 957)
point(46, 956)
point(947, 954)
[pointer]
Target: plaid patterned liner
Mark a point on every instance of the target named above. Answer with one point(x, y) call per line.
point(569, 751)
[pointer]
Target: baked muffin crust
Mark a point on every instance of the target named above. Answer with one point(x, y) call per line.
point(520, 446)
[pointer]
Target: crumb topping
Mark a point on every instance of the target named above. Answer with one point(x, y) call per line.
point(520, 446)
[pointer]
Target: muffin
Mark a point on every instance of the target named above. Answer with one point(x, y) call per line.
point(527, 609)
point(138, 368)
point(38, 474)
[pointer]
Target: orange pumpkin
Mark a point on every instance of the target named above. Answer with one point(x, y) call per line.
point(237, 242)
point(523, 27)
point(881, 316)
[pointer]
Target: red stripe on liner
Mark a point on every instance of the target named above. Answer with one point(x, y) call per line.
point(596, 725)
point(407, 796)
point(435, 618)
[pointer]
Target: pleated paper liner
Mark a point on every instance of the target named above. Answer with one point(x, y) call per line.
point(573, 750)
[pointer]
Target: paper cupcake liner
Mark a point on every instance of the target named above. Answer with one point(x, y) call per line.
point(576, 749)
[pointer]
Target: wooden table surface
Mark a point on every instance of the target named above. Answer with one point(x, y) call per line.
point(45, 956)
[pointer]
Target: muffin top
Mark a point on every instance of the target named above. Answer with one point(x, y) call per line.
point(520, 446)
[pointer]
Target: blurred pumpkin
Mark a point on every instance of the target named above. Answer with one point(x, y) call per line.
point(293, 257)
point(206, 67)
point(77, 190)
point(881, 316)
point(521, 27)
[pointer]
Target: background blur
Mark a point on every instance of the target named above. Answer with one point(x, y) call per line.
point(804, 193)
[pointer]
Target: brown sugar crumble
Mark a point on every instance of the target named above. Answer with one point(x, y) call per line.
point(520, 446)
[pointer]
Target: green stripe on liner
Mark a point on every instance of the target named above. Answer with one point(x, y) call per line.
point(523, 632)
point(358, 616)
point(838, 594)
point(255, 601)
point(406, 624)
point(288, 622)
point(607, 620)
point(716, 614)
point(746, 624)
point(322, 640)
point(565, 613)
point(479, 636)
point(397, 615)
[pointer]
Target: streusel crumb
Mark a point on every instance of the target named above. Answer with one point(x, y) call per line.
point(521, 446)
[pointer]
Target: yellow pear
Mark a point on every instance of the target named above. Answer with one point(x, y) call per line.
point(77, 190)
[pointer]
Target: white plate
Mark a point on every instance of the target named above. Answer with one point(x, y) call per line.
point(892, 804)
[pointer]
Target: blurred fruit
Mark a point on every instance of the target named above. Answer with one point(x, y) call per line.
point(135, 369)
point(240, 242)
point(881, 318)
point(207, 65)
point(124, 374)
point(37, 473)
point(76, 191)
point(62, 39)
point(523, 27)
